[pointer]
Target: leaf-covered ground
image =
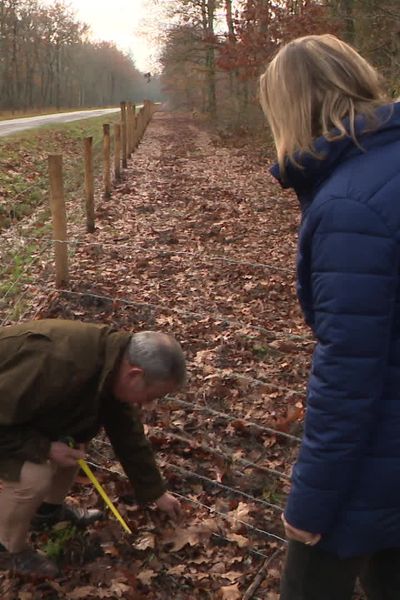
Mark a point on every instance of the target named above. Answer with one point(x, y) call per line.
point(198, 241)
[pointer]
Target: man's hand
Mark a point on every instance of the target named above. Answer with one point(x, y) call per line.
point(170, 505)
point(310, 539)
point(63, 455)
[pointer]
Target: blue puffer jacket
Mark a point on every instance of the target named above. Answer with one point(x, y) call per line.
point(346, 482)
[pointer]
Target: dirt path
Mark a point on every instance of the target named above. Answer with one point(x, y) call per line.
point(198, 241)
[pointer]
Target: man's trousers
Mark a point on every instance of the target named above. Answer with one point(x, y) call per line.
point(19, 500)
point(312, 574)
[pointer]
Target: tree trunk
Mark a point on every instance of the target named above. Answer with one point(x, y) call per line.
point(344, 10)
point(210, 59)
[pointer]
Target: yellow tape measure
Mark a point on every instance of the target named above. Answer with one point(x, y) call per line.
point(88, 471)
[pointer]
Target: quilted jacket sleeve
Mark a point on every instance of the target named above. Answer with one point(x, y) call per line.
point(353, 276)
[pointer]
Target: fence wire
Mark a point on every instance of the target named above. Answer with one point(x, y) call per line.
point(212, 510)
point(161, 252)
point(224, 452)
point(231, 417)
point(222, 486)
point(186, 313)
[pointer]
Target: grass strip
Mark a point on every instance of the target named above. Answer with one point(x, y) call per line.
point(24, 193)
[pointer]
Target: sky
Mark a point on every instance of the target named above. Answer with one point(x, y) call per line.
point(123, 22)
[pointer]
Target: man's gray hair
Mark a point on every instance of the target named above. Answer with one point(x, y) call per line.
point(159, 355)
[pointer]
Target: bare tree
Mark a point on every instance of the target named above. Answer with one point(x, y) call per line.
point(47, 60)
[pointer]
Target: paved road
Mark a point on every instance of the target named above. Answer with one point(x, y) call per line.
point(16, 125)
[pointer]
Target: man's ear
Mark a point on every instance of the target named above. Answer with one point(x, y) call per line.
point(133, 371)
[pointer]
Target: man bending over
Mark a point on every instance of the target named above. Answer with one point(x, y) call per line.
point(61, 379)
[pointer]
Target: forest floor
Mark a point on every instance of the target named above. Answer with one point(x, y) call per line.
point(199, 241)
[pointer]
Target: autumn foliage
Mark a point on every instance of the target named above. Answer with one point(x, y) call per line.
point(215, 50)
point(213, 59)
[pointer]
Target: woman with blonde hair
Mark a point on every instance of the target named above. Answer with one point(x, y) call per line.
point(338, 144)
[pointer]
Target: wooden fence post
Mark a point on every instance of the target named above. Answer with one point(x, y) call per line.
point(135, 139)
point(139, 125)
point(89, 184)
point(129, 129)
point(106, 161)
point(142, 122)
point(117, 152)
point(123, 134)
point(133, 127)
point(147, 111)
point(57, 207)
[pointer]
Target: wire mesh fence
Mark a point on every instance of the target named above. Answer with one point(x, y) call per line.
point(14, 299)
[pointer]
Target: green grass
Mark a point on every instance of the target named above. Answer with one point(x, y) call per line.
point(23, 164)
point(58, 540)
point(24, 191)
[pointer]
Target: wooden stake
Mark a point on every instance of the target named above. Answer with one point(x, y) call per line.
point(147, 110)
point(140, 125)
point(89, 184)
point(57, 207)
point(117, 152)
point(262, 572)
point(129, 129)
point(106, 161)
point(133, 142)
point(123, 135)
point(136, 132)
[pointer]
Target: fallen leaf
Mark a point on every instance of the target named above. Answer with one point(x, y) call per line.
point(178, 570)
point(230, 592)
point(148, 540)
point(146, 576)
point(119, 588)
point(83, 592)
point(232, 575)
point(240, 540)
point(193, 536)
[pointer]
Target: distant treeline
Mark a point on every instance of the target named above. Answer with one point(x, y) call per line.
point(47, 60)
point(215, 50)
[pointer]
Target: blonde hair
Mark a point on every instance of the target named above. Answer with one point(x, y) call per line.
point(311, 85)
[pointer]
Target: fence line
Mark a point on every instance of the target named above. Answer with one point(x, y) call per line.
point(57, 182)
point(224, 453)
point(228, 417)
point(161, 252)
point(215, 317)
point(213, 510)
point(165, 252)
point(193, 501)
point(226, 517)
point(189, 473)
point(248, 525)
point(28, 189)
point(208, 480)
point(221, 372)
point(28, 264)
point(211, 481)
point(224, 487)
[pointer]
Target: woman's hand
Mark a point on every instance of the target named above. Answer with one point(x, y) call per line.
point(65, 456)
point(298, 535)
point(170, 505)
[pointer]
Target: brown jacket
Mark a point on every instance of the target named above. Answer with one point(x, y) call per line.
point(55, 382)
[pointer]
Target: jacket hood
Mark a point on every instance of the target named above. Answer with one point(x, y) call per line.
point(312, 172)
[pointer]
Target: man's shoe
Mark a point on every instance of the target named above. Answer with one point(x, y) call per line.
point(80, 517)
point(28, 563)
